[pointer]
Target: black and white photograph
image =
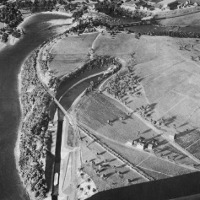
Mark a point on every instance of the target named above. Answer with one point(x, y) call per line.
point(99, 99)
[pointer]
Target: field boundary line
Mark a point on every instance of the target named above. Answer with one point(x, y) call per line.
point(143, 160)
point(196, 101)
point(192, 144)
point(156, 171)
point(176, 104)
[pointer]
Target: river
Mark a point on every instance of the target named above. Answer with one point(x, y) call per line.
point(11, 58)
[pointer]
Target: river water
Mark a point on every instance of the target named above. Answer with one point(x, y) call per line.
point(11, 58)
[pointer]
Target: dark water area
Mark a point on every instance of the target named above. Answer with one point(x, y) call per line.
point(68, 99)
point(11, 58)
point(67, 83)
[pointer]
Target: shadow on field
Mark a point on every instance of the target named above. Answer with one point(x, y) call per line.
point(169, 120)
point(183, 133)
point(184, 124)
point(170, 188)
point(148, 130)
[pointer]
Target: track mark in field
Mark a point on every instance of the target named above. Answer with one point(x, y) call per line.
point(193, 144)
point(184, 95)
point(195, 110)
point(143, 160)
point(156, 171)
point(174, 105)
point(161, 70)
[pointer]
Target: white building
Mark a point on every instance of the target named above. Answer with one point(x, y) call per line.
point(140, 146)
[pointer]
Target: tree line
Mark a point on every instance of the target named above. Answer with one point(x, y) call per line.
point(114, 8)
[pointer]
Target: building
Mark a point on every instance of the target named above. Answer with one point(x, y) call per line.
point(150, 147)
point(171, 4)
point(140, 145)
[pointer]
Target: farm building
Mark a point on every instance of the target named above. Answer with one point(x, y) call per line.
point(171, 136)
point(140, 145)
point(171, 4)
point(150, 147)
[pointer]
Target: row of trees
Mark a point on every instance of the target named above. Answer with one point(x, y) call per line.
point(10, 15)
point(40, 5)
point(114, 8)
point(124, 83)
point(44, 5)
point(174, 34)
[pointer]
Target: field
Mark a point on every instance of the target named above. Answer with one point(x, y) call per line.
point(174, 87)
point(90, 149)
point(119, 131)
point(156, 167)
point(186, 20)
point(170, 78)
point(70, 53)
point(169, 81)
point(120, 45)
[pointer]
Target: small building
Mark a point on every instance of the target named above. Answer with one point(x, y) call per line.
point(171, 136)
point(141, 139)
point(134, 143)
point(150, 146)
point(140, 145)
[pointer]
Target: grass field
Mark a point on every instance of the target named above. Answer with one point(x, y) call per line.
point(70, 53)
point(89, 150)
point(171, 82)
point(153, 166)
point(119, 130)
point(119, 45)
point(186, 20)
point(123, 131)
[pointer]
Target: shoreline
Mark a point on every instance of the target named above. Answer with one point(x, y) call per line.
point(19, 86)
point(58, 13)
point(17, 143)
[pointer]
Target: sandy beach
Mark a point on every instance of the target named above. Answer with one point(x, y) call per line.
point(58, 12)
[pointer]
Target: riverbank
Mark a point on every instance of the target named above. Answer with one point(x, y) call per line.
point(18, 142)
point(69, 14)
point(35, 104)
point(32, 138)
